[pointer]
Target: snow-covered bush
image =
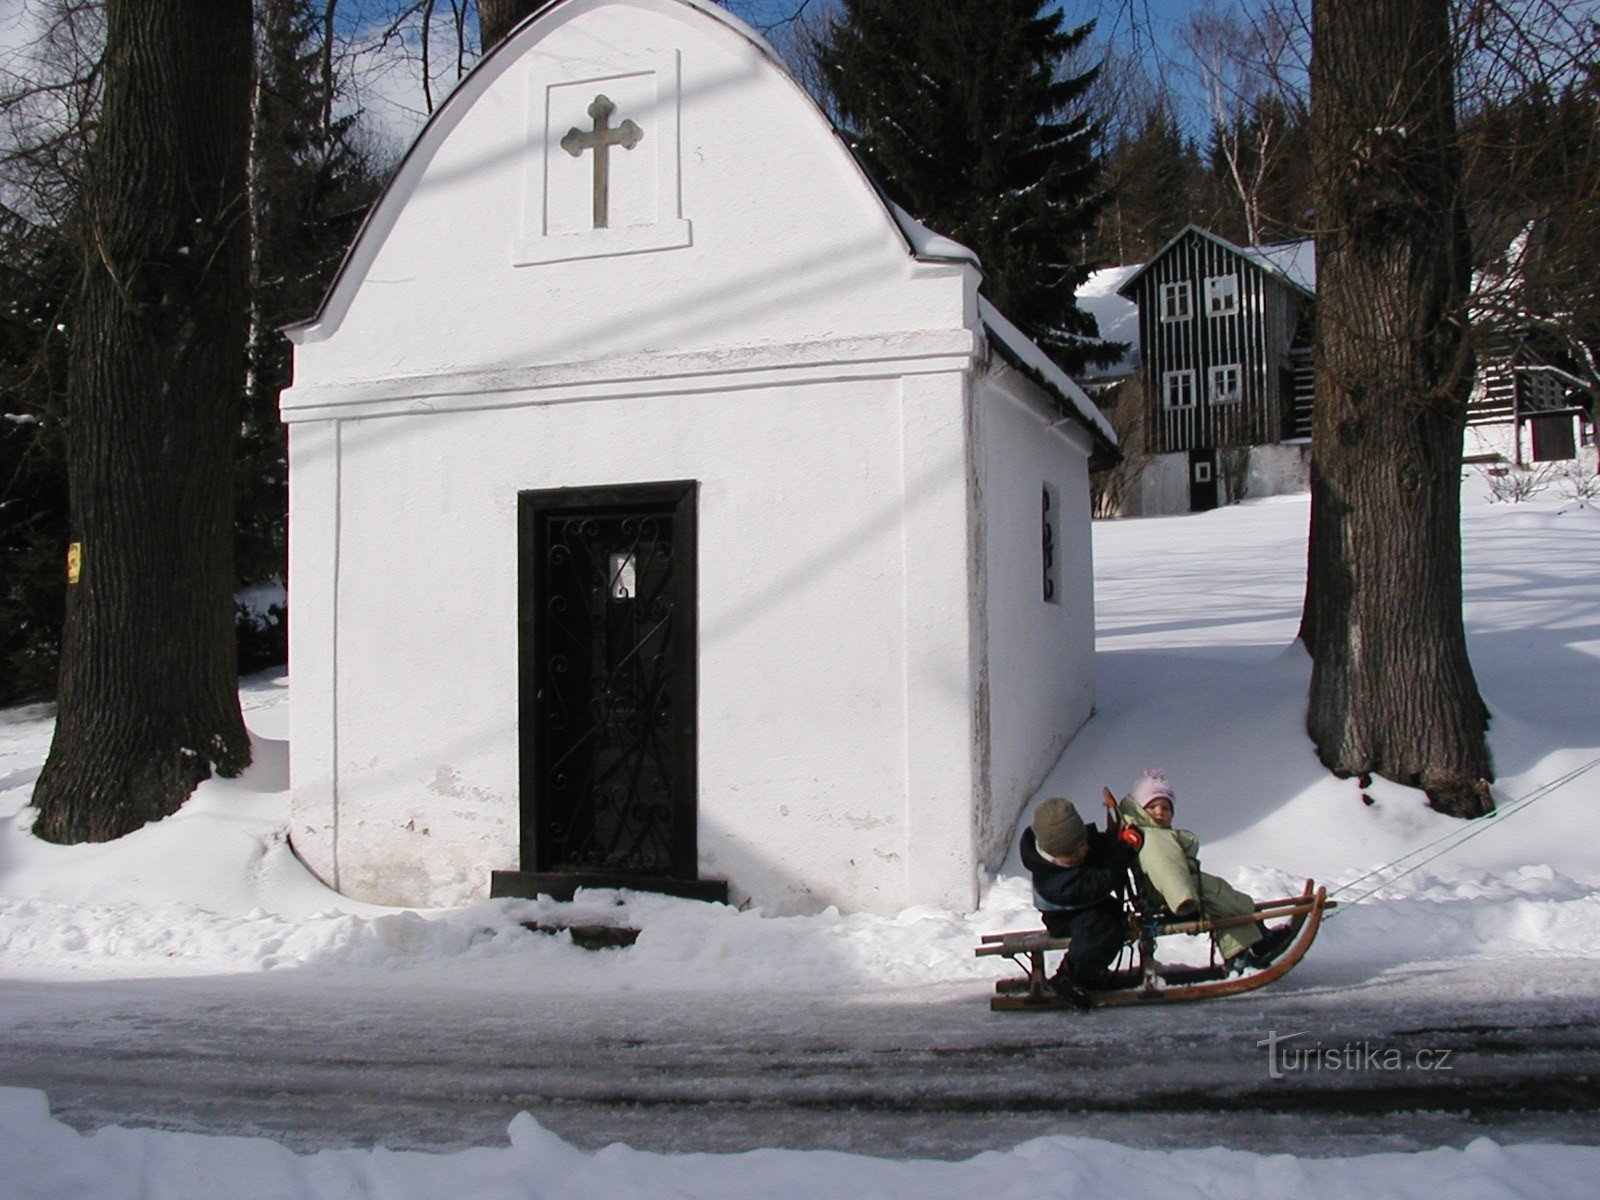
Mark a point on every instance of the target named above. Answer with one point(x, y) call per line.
point(1580, 483)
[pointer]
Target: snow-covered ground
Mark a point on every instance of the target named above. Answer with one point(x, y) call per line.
point(1198, 674)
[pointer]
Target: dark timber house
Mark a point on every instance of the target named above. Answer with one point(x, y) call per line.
point(1223, 382)
point(1225, 340)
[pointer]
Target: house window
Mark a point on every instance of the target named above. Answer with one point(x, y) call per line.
point(1050, 503)
point(1222, 295)
point(1175, 301)
point(1177, 389)
point(1225, 384)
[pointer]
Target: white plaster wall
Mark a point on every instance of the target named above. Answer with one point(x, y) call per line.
point(1280, 469)
point(1039, 654)
point(793, 358)
point(1164, 485)
point(788, 242)
point(805, 759)
point(1502, 438)
point(313, 662)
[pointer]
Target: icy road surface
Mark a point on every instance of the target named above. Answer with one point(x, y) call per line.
point(922, 1072)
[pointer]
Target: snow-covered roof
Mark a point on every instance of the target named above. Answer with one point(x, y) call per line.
point(925, 243)
point(1292, 262)
point(1017, 348)
point(1116, 315)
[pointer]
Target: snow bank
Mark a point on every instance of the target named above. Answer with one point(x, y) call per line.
point(50, 1160)
point(1198, 673)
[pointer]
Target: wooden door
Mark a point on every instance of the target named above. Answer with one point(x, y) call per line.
point(1202, 480)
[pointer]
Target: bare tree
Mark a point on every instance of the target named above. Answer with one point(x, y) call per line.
point(1112, 491)
point(148, 702)
point(1250, 68)
point(1392, 689)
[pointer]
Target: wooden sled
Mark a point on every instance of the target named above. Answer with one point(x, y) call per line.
point(1151, 982)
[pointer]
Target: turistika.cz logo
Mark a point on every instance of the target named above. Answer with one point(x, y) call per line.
point(1307, 1058)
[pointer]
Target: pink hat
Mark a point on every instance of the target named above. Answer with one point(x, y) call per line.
point(1150, 787)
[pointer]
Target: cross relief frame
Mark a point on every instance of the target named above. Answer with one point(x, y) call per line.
point(602, 172)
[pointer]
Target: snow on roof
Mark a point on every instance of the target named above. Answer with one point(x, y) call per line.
point(1293, 262)
point(1107, 293)
point(1018, 347)
point(1117, 316)
point(925, 243)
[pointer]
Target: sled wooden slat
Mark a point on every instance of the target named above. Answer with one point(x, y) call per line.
point(1152, 982)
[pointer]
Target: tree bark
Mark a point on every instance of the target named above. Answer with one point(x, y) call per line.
point(496, 18)
point(148, 702)
point(1392, 689)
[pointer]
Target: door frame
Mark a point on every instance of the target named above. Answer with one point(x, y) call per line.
point(1207, 489)
point(680, 498)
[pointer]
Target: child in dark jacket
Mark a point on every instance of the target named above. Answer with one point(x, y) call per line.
point(1077, 873)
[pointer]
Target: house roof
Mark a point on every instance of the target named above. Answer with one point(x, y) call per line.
point(1017, 349)
point(1294, 263)
point(1116, 316)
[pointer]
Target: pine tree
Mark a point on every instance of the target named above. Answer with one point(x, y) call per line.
point(496, 18)
point(37, 270)
point(1261, 177)
point(48, 99)
point(1154, 178)
point(309, 186)
point(970, 116)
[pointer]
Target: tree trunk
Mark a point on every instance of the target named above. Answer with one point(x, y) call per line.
point(149, 695)
point(496, 18)
point(1392, 690)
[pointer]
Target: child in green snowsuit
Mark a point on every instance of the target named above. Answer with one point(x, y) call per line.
point(1169, 874)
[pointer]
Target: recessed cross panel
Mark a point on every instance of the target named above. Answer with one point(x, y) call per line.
point(599, 141)
point(603, 175)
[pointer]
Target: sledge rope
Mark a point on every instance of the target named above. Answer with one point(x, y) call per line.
point(1455, 838)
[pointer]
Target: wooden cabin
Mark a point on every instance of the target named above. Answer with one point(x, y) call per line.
point(1220, 374)
point(1527, 408)
point(1225, 344)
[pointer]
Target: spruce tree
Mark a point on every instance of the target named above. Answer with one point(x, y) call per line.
point(971, 117)
point(37, 270)
point(309, 186)
point(1154, 176)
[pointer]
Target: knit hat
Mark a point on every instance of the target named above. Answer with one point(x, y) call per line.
point(1058, 829)
point(1150, 787)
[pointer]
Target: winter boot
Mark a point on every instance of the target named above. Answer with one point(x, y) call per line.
point(1063, 986)
point(1273, 943)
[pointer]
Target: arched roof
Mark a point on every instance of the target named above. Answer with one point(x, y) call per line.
point(920, 242)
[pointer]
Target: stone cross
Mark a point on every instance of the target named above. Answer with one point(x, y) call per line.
point(600, 140)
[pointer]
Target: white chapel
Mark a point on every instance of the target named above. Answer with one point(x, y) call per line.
point(667, 510)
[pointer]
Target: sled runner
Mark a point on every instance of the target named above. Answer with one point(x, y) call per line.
point(1148, 981)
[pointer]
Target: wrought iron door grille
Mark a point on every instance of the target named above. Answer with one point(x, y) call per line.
point(608, 797)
